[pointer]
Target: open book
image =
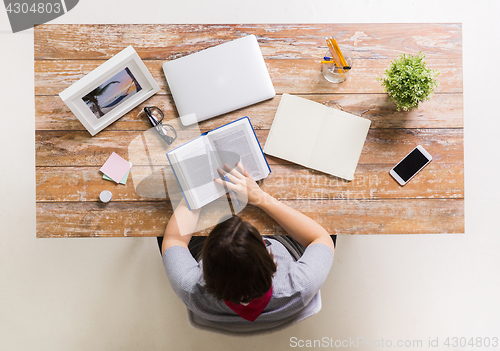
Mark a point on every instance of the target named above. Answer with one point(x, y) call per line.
point(195, 163)
point(317, 136)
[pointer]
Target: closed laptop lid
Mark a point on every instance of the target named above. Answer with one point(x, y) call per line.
point(218, 80)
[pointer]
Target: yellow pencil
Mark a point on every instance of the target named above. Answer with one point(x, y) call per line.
point(339, 52)
point(334, 53)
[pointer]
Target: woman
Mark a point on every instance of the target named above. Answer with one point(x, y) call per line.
point(241, 278)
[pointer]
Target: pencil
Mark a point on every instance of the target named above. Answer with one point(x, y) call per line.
point(334, 53)
point(339, 52)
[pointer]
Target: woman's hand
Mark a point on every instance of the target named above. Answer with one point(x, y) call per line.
point(300, 227)
point(245, 188)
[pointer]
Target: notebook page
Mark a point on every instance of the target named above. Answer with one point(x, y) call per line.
point(339, 143)
point(295, 129)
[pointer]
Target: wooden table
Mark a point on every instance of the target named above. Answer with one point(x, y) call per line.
point(68, 181)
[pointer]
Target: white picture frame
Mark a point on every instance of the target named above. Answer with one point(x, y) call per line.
point(110, 91)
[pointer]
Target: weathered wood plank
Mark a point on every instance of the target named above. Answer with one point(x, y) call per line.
point(299, 76)
point(389, 146)
point(157, 41)
point(441, 111)
point(416, 216)
point(286, 182)
point(87, 219)
point(382, 146)
point(79, 184)
point(291, 182)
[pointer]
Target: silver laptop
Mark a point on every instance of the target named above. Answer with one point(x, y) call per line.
point(219, 79)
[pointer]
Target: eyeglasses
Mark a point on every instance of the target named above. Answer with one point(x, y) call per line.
point(166, 131)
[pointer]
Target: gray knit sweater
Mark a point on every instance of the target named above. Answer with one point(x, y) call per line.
point(295, 283)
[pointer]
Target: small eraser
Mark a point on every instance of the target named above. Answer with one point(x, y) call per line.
point(105, 196)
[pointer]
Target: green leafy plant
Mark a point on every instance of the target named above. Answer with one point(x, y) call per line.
point(408, 81)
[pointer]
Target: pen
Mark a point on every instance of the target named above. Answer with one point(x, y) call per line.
point(331, 61)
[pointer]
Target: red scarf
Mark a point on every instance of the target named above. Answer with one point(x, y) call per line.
point(251, 311)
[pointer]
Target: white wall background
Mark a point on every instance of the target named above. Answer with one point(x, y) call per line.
point(112, 294)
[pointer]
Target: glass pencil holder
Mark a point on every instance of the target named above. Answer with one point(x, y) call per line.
point(334, 74)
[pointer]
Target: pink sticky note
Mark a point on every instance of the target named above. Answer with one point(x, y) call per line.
point(115, 167)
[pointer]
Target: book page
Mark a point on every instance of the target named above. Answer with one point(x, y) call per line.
point(198, 166)
point(238, 138)
point(339, 143)
point(295, 129)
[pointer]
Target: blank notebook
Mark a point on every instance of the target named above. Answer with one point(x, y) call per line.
point(316, 136)
point(218, 80)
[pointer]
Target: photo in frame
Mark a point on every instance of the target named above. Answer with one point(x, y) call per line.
point(110, 91)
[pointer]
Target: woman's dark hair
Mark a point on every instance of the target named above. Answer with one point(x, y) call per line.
point(236, 264)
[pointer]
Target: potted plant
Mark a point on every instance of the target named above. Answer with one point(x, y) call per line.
point(408, 81)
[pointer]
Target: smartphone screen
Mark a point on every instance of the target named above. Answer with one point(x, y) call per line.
point(411, 164)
